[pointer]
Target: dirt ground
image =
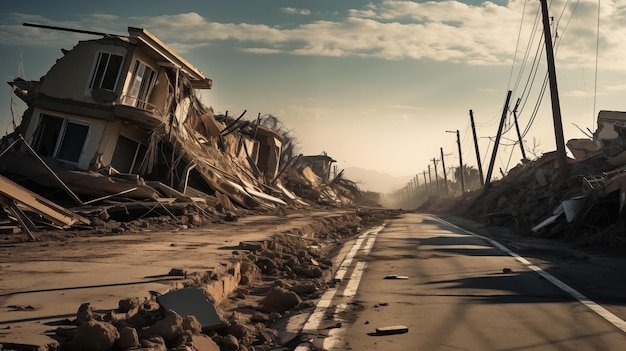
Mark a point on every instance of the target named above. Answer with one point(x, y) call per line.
point(286, 261)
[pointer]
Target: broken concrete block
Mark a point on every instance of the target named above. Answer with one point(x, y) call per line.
point(94, 336)
point(193, 302)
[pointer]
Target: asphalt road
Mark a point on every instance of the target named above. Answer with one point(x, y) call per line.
point(466, 292)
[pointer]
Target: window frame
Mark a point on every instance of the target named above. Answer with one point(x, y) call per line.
point(60, 139)
point(138, 92)
point(97, 77)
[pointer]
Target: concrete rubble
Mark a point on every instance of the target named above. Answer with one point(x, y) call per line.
point(586, 207)
point(127, 146)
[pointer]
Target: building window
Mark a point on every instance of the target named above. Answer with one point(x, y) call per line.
point(107, 71)
point(60, 138)
point(127, 154)
point(141, 85)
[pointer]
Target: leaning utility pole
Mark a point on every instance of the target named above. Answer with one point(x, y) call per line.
point(519, 135)
point(425, 183)
point(554, 93)
point(495, 146)
point(480, 167)
point(445, 177)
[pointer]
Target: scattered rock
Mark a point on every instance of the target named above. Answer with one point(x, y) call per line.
point(128, 338)
point(129, 304)
point(192, 324)
point(94, 336)
point(168, 328)
point(279, 300)
point(230, 342)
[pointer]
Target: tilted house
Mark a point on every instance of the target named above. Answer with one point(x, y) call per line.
point(120, 109)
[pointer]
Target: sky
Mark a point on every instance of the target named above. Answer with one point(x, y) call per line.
point(380, 85)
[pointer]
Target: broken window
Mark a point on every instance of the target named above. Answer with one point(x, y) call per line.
point(60, 138)
point(127, 154)
point(140, 85)
point(106, 71)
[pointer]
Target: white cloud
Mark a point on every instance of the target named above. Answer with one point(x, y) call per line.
point(294, 11)
point(443, 31)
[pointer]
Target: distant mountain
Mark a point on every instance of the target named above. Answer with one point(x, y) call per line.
point(371, 180)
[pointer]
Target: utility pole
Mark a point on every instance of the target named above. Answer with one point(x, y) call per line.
point(430, 181)
point(480, 167)
point(445, 177)
point(519, 135)
point(554, 93)
point(495, 146)
point(425, 183)
point(436, 177)
point(458, 141)
point(417, 181)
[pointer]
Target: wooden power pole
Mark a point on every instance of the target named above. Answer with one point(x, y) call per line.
point(495, 146)
point(445, 176)
point(480, 167)
point(554, 93)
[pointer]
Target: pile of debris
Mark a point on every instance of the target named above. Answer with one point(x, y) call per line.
point(250, 304)
point(128, 135)
point(586, 207)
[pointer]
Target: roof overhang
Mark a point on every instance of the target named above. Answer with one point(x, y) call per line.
point(158, 48)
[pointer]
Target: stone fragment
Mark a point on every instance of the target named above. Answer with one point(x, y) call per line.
point(204, 343)
point(192, 324)
point(168, 328)
point(84, 314)
point(128, 338)
point(153, 344)
point(129, 304)
point(279, 300)
point(94, 336)
point(230, 342)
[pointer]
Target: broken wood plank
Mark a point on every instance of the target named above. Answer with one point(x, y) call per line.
point(394, 329)
point(33, 202)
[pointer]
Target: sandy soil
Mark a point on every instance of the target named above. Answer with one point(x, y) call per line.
point(45, 281)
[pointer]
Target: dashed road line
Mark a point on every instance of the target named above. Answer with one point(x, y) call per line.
point(315, 319)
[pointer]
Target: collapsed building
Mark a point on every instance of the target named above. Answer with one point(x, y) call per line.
point(585, 207)
point(119, 117)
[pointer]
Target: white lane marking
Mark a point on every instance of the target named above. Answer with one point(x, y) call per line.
point(370, 235)
point(335, 335)
point(355, 279)
point(320, 309)
point(601, 311)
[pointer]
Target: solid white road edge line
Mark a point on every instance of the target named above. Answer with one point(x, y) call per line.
point(601, 311)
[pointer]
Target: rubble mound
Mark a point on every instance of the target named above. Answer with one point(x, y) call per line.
point(534, 199)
